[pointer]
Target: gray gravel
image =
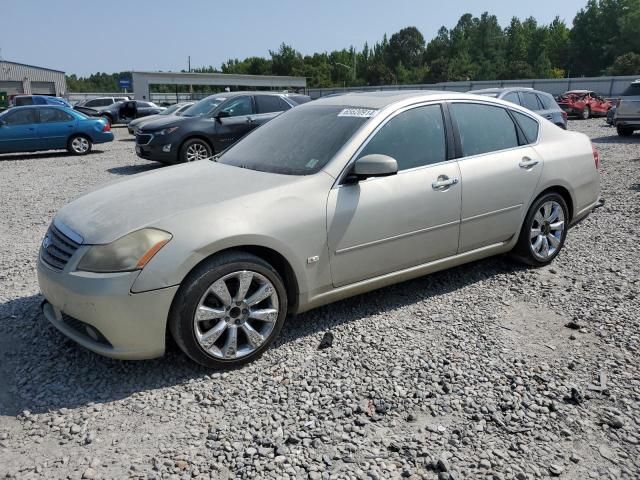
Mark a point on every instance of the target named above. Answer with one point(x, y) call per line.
point(468, 373)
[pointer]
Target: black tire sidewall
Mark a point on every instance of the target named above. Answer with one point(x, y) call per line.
point(194, 287)
point(523, 248)
point(188, 143)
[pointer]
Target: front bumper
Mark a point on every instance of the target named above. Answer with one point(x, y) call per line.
point(152, 151)
point(123, 325)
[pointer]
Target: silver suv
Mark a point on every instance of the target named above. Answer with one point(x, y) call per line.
point(627, 116)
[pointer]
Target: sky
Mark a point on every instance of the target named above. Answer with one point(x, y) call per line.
point(88, 36)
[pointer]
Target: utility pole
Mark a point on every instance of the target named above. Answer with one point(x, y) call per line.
point(189, 62)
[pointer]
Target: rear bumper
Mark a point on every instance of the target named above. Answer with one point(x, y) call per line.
point(122, 324)
point(584, 213)
point(627, 122)
point(103, 137)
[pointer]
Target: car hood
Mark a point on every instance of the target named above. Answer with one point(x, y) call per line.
point(148, 118)
point(162, 121)
point(110, 212)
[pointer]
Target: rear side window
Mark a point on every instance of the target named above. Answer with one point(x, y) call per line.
point(512, 97)
point(530, 101)
point(269, 104)
point(50, 115)
point(528, 125)
point(143, 104)
point(484, 128)
point(547, 101)
point(414, 138)
point(99, 102)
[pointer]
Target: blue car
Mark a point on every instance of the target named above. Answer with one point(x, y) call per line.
point(23, 100)
point(34, 128)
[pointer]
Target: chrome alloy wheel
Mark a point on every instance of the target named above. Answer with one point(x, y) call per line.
point(547, 229)
point(80, 145)
point(197, 151)
point(236, 315)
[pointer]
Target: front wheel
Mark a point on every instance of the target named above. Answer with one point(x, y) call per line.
point(544, 230)
point(624, 131)
point(229, 310)
point(194, 150)
point(79, 145)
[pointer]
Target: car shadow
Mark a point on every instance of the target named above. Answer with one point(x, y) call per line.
point(42, 370)
point(132, 139)
point(133, 169)
point(634, 139)
point(39, 155)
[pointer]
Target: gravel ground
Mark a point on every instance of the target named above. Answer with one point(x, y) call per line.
point(469, 373)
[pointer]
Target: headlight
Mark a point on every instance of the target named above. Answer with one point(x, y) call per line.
point(167, 131)
point(128, 253)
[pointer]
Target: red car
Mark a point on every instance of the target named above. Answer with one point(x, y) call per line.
point(584, 104)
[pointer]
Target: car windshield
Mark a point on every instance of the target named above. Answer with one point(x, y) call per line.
point(298, 142)
point(170, 110)
point(203, 107)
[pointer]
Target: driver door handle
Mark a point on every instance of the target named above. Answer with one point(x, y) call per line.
point(527, 162)
point(443, 182)
point(250, 120)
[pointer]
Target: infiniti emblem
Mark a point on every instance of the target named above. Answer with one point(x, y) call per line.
point(47, 241)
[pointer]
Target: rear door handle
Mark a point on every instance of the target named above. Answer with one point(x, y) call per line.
point(250, 120)
point(527, 162)
point(443, 182)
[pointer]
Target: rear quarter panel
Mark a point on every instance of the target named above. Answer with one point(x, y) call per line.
point(569, 163)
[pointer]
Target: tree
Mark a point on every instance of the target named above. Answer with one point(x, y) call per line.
point(406, 47)
point(286, 60)
point(627, 64)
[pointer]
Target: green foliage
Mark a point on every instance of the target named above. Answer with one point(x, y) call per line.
point(605, 38)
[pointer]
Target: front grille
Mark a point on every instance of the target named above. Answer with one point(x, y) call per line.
point(143, 138)
point(83, 329)
point(57, 248)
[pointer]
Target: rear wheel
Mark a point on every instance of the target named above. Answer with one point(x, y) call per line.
point(229, 310)
point(586, 113)
point(194, 150)
point(624, 131)
point(544, 230)
point(79, 145)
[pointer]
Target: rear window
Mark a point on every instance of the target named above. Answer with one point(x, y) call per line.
point(632, 90)
point(300, 99)
point(547, 101)
point(530, 101)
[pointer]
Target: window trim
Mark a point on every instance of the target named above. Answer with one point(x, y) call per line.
point(462, 157)
point(450, 147)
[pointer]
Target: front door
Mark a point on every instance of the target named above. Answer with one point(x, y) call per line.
point(381, 225)
point(499, 171)
point(237, 122)
point(19, 131)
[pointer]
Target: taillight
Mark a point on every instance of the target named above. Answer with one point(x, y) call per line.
point(106, 128)
point(618, 103)
point(596, 156)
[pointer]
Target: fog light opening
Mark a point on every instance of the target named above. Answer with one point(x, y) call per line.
point(166, 148)
point(92, 333)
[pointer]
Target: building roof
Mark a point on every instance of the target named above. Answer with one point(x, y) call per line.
point(31, 66)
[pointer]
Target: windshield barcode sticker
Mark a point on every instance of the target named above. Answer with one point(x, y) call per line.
point(357, 112)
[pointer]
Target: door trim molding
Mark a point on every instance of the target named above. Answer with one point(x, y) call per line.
point(495, 212)
point(395, 237)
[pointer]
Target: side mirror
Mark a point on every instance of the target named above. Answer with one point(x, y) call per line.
point(374, 165)
point(222, 114)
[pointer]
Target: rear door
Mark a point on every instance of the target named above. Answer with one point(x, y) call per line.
point(237, 124)
point(19, 131)
point(499, 171)
point(268, 107)
point(55, 127)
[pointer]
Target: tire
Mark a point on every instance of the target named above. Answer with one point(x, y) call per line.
point(585, 114)
point(195, 149)
point(542, 219)
point(203, 323)
point(79, 145)
point(624, 131)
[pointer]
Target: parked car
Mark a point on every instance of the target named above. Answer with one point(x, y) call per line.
point(22, 100)
point(175, 109)
point(611, 115)
point(101, 101)
point(124, 112)
point(542, 103)
point(627, 116)
point(584, 104)
point(34, 128)
point(330, 199)
point(210, 126)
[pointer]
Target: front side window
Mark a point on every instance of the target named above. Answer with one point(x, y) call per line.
point(484, 128)
point(268, 104)
point(276, 146)
point(51, 115)
point(530, 101)
point(414, 138)
point(512, 97)
point(238, 106)
point(20, 117)
point(204, 107)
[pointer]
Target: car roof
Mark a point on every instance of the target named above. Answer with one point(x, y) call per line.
point(378, 100)
point(579, 91)
point(503, 89)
